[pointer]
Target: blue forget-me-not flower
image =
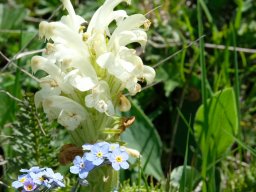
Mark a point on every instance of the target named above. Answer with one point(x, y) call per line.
point(81, 167)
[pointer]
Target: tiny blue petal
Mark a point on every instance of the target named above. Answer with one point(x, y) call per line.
point(124, 165)
point(83, 175)
point(90, 156)
point(60, 184)
point(77, 160)
point(87, 147)
point(98, 161)
point(125, 156)
point(116, 166)
point(74, 169)
point(17, 184)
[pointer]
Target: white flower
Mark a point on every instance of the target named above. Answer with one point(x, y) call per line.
point(69, 46)
point(76, 66)
point(90, 67)
point(119, 60)
point(54, 83)
point(125, 66)
point(129, 31)
point(105, 15)
point(69, 113)
point(44, 93)
point(100, 99)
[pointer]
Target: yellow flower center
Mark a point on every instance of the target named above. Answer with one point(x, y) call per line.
point(22, 180)
point(119, 159)
point(99, 154)
point(41, 179)
point(29, 187)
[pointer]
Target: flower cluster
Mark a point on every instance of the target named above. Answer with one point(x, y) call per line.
point(101, 153)
point(88, 65)
point(36, 178)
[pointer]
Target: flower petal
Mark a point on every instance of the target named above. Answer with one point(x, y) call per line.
point(149, 74)
point(17, 184)
point(127, 37)
point(90, 157)
point(98, 161)
point(70, 113)
point(132, 22)
point(124, 165)
point(82, 83)
point(125, 156)
point(83, 175)
point(104, 16)
point(74, 169)
point(116, 166)
point(77, 160)
point(105, 59)
point(41, 63)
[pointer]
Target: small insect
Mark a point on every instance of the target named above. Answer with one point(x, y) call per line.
point(142, 82)
point(83, 27)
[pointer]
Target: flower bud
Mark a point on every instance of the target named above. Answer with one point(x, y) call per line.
point(133, 152)
point(124, 104)
point(147, 24)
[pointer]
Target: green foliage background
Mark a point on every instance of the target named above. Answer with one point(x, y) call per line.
point(165, 111)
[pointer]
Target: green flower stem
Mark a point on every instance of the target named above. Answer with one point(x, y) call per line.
point(76, 137)
point(102, 179)
point(77, 187)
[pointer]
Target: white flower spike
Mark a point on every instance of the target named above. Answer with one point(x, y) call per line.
point(89, 68)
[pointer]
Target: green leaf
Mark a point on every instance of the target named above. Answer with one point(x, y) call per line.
point(222, 122)
point(169, 86)
point(142, 136)
point(11, 17)
point(6, 107)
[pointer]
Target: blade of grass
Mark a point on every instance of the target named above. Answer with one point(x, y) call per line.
point(204, 95)
point(145, 181)
point(238, 13)
point(190, 131)
point(140, 173)
point(182, 67)
point(177, 52)
point(237, 82)
point(145, 165)
point(237, 90)
point(243, 145)
point(206, 11)
point(184, 174)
